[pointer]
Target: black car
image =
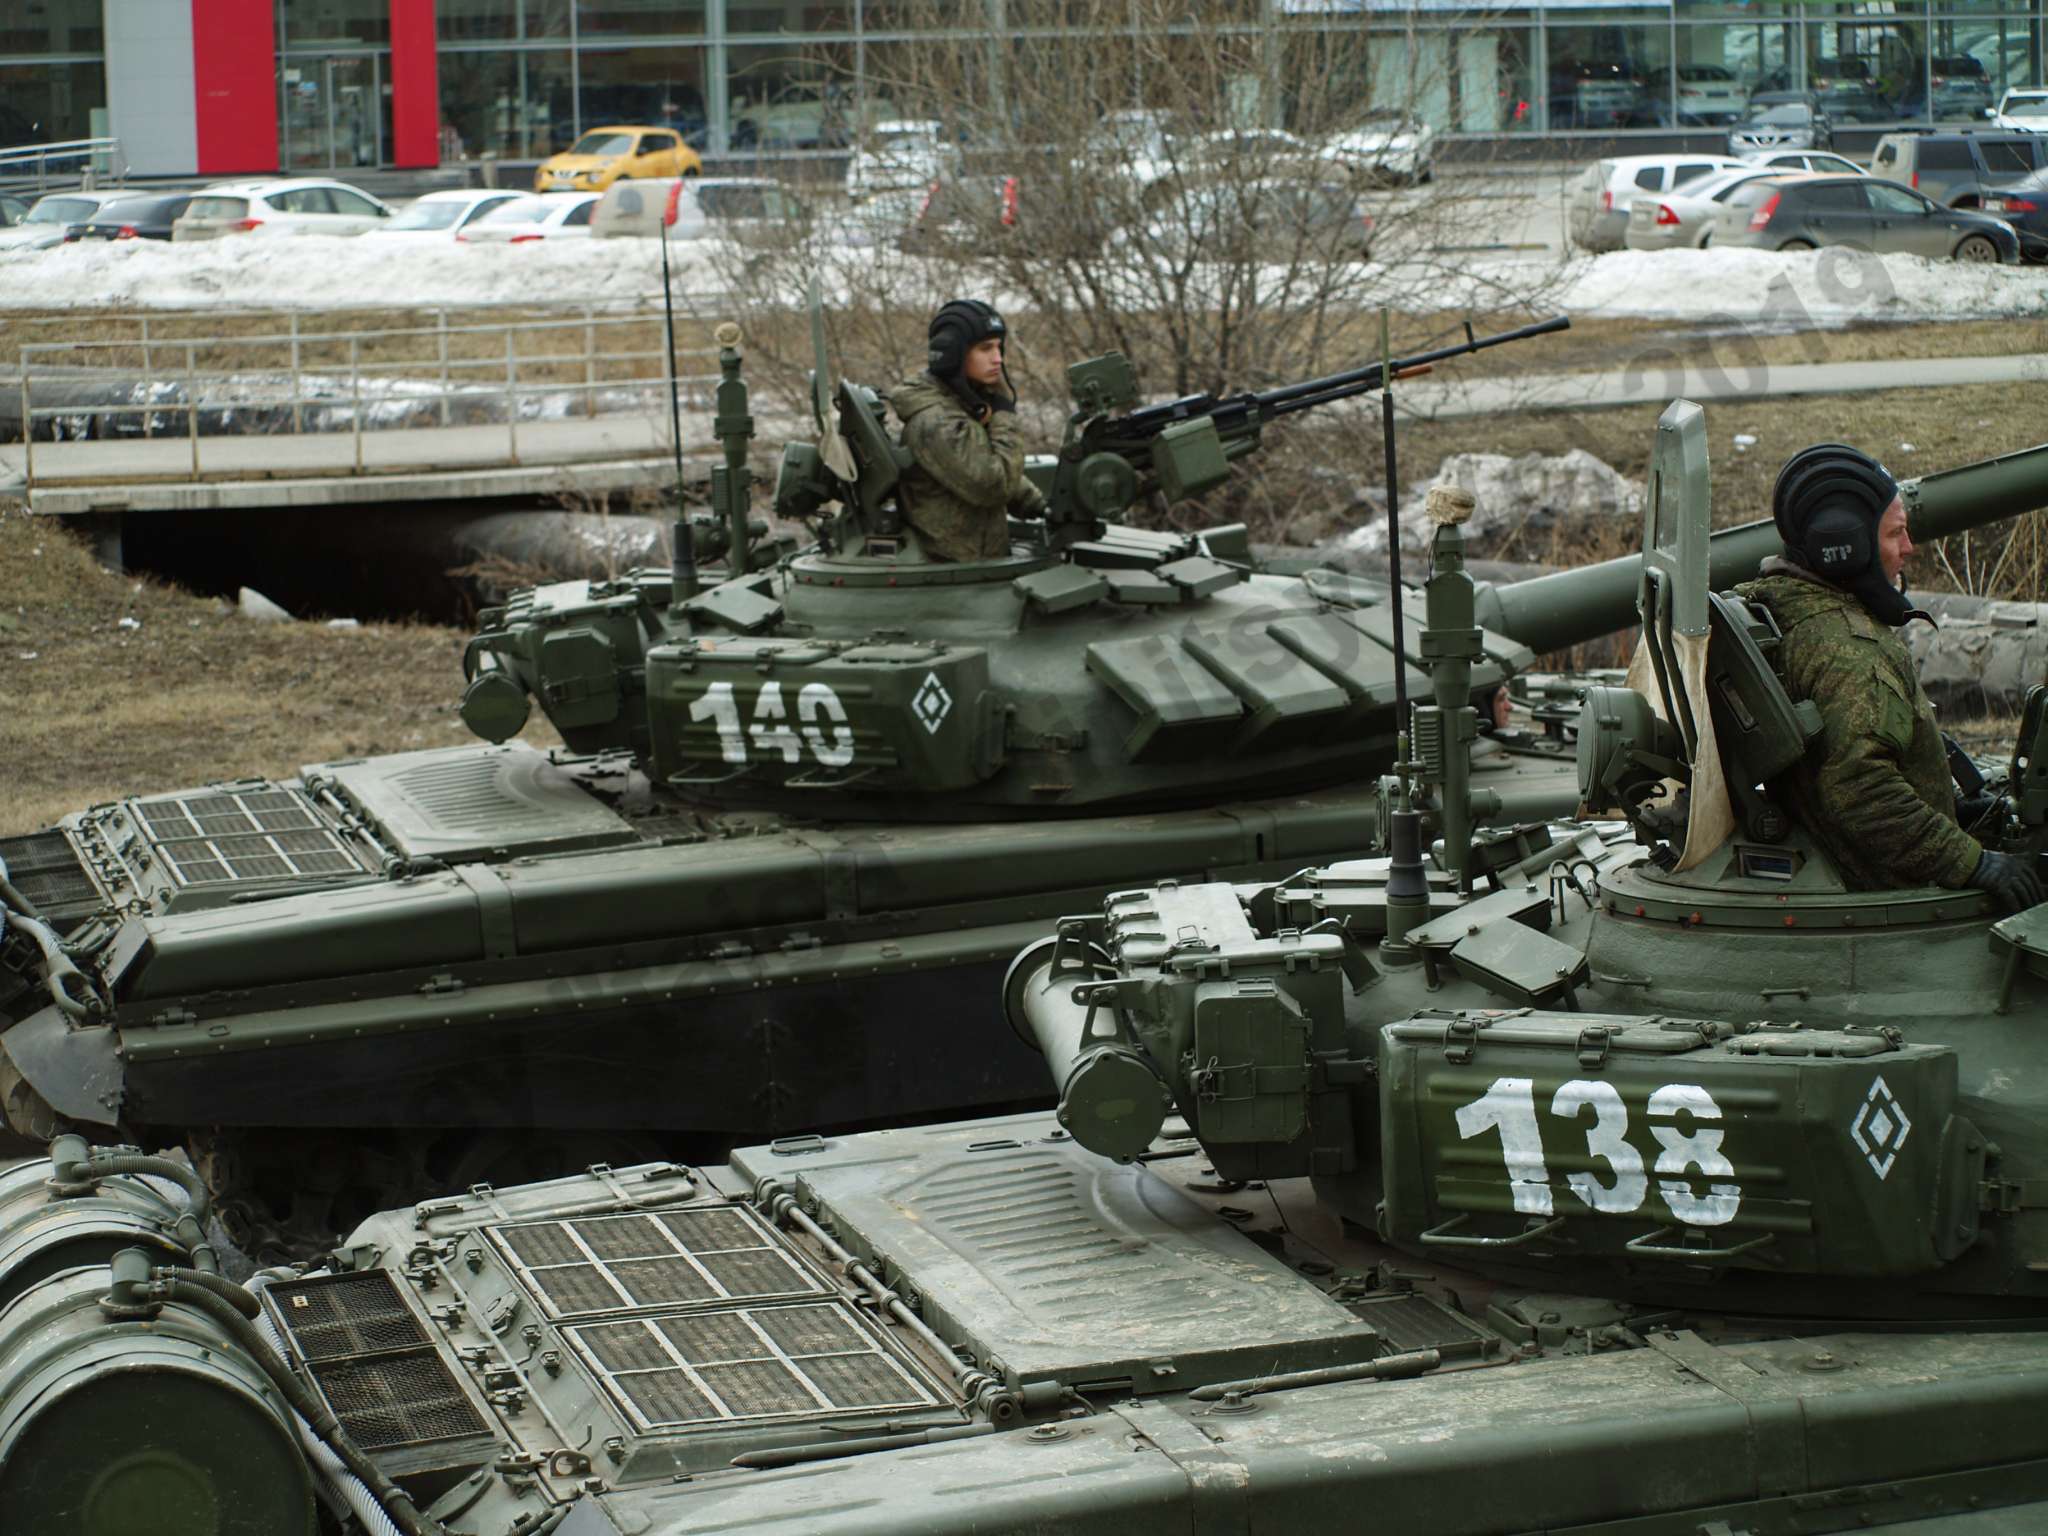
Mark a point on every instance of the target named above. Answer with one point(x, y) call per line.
point(145, 216)
point(2024, 205)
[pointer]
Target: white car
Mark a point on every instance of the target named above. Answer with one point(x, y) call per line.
point(1387, 144)
point(444, 215)
point(299, 205)
point(51, 216)
point(2022, 111)
point(1684, 218)
point(1597, 212)
point(534, 216)
point(895, 155)
point(1823, 160)
point(749, 209)
point(1709, 93)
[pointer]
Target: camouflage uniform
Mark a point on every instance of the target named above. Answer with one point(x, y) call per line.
point(968, 480)
point(1875, 791)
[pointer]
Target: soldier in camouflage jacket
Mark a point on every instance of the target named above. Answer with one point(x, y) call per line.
point(960, 425)
point(1875, 790)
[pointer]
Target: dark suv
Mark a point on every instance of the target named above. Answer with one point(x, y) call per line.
point(1959, 168)
point(1799, 213)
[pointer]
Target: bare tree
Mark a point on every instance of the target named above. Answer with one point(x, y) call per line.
point(1222, 192)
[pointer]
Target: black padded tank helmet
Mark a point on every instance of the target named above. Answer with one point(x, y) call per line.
point(1827, 503)
point(958, 325)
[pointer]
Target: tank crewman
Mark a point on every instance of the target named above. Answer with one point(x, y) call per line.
point(960, 424)
point(1875, 791)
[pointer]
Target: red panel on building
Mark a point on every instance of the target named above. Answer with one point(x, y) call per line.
point(415, 85)
point(234, 85)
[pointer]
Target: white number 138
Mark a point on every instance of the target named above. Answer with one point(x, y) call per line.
point(1509, 1107)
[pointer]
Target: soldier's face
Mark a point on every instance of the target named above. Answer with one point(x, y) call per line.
point(1894, 544)
point(985, 362)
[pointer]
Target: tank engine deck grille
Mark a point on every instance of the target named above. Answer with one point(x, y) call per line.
point(370, 1357)
point(44, 869)
point(745, 1364)
point(269, 834)
point(614, 1264)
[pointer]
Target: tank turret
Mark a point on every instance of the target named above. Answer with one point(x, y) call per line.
point(1657, 1058)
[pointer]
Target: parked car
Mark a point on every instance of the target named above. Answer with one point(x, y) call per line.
point(605, 155)
point(1597, 95)
point(11, 210)
point(1709, 93)
point(1782, 120)
point(534, 217)
point(2022, 111)
point(1961, 90)
point(1282, 218)
point(141, 216)
point(49, 218)
point(2024, 205)
point(443, 215)
point(1389, 145)
point(1800, 213)
point(750, 209)
point(1684, 217)
point(894, 155)
point(300, 205)
point(1959, 168)
point(1804, 160)
point(1597, 215)
point(965, 216)
point(1847, 90)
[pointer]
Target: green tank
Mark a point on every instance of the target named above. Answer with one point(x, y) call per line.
point(805, 816)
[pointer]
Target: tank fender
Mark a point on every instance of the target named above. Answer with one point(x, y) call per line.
point(76, 1072)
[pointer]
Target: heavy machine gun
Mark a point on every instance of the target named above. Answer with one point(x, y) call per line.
point(1116, 452)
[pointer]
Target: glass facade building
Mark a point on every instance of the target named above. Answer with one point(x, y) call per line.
point(517, 79)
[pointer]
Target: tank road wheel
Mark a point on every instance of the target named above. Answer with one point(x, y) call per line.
point(1978, 248)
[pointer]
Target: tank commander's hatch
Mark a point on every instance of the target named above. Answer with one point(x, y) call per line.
point(1705, 710)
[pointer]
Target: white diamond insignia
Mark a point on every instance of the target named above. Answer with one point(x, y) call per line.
point(1880, 1128)
point(932, 703)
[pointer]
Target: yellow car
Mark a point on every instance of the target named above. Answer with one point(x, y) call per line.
point(604, 155)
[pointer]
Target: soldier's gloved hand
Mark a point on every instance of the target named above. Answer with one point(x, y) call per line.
point(2011, 880)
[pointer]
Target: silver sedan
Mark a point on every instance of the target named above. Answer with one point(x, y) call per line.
point(1683, 218)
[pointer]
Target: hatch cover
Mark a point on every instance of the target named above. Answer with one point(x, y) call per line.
point(1029, 1250)
point(475, 802)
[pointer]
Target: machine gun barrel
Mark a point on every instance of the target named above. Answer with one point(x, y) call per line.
point(1262, 405)
point(1571, 607)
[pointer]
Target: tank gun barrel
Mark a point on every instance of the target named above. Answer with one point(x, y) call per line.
point(1570, 607)
point(1111, 1098)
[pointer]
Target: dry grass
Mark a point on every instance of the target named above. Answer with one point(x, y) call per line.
point(195, 693)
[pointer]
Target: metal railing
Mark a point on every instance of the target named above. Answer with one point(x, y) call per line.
point(427, 384)
point(32, 166)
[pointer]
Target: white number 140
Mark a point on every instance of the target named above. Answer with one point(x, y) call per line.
point(1509, 1107)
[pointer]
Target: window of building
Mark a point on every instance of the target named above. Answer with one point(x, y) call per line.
point(606, 19)
point(509, 104)
point(651, 86)
point(49, 103)
point(51, 26)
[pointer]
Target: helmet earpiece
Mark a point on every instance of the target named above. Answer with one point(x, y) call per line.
point(1840, 543)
